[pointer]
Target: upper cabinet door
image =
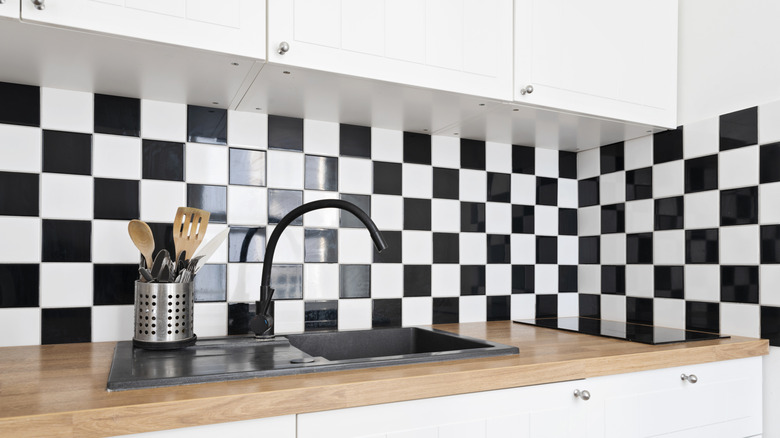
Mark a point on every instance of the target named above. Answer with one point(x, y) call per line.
point(608, 58)
point(9, 9)
point(463, 46)
point(235, 27)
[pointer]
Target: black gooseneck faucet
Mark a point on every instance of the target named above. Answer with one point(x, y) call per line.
point(262, 324)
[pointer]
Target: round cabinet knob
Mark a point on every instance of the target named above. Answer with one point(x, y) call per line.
point(689, 377)
point(583, 395)
point(39, 4)
point(527, 90)
point(283, 48)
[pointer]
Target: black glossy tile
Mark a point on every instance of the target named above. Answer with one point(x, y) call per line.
point(246, 244)
point(446, 183)
point(613, 218)
point(354, 281)
point(446, 310)
point(613, 280)
point(523, 279)
point(321, 315)
point(285, 133)
point(669, 281)
point(354, 141)
point(287, 281)
point(64, 326)
point(524, 160)
point(498, 248)
point(590, 305)
point(769, 163)
point(770, 243)
point(67, 152)
point(639, 310)
point(472, 154)
point(499, 308)
point(567, 221)
point(739, 206)
point(639, 248)
point(114, 285)
point(702, 246)
point(19, 194)
point(703, 317)
point(567, 278)
point(590, 250)
point(117, 115)
point(19, 285)
point(116, 199)
point(701, 174)
point(163, 236)
point(472, 280)
point(206, 125)
point(499, 187)
point(417, 148)
point(386, 313)
point(739, 284)
point(523, 219)
point(611, 157)
point(20, 104)
point(417, 214)
point(639, 184)
point(211, 283)
point(388, 178)
point(669, 213)
point(320, 245)
point(770, 325)
point(446, 247)
point(546, 249)
point(66, 241)
point(393, 252)
point(349, 220)
point(472, 217)
point(588, 192)
point(247, 167)
point(546, 191)
point(239, 315)
point(281, 202)
point(163, 160)
point(321, 173)
point(567, 165)
point(547, 306)
point(417, 280)
point(210, 198)
point(668, 146)
point(739, 129)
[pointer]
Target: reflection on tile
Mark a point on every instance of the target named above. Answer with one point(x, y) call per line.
point(590, 249)
point(523, 279)
point(117, 115)
point(446, 310)
point(322, 173)
point(739, 206)
point(524, 160)
point(639, 310)
point(567, 164)
point(211, 283)
point(19, 285)
point(116, 199)
point(588, 192)
point(19, 193)
point(393, 253)
point(388, 178)
point(114, 284)
point(206, 125)
point(163, 236)
point(472, 217)
point(446, 248)
point(704, 317)
point(523, 219)
point(639, 184)
point(320, 245)
point(613, 218)
point(62, 326)
point(472, 280)
point(499, 187)
point(498, 308)
point(287, 282)
point(66, 241)
point(669, 282)
point(613, 280)
point(355, 141)
point(590, 305)
point(417, 214)
point(20, 105)
point(354, 281)
point(546, 191)
point(547, 306)
point(567, 221)
point(639, 248)
point(285, 133)
point(701, 174)
point(669, 213)
point(472, 154)
point(386, 313)
point(546, 249)
point(498, 248)
point(67, 152)
point(701, 246)
point(321, 315)
point(417, 280)
point(770, 244)
point(163, 160)
point(446, 183)
point(769, 162)
point(210, 198)
point(281, 202)
point(349, 220)
point(739, 284)
point(567, 278)
point(611, 158)
point(247, 167)
point(246, 244)
point(739, 128)
point(668, 146)
point(417, 148)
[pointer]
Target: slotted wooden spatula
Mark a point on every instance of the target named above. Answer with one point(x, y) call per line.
point(189, 228)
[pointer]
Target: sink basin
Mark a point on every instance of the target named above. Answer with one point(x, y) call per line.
point(245, 357)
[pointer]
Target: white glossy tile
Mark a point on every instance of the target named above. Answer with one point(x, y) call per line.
point(247, 205)
point(355, 176)
point(417, 247)
point(523, 306)
point(522, 247)
point(768, 126)
point(567, 193)
point(498, 279)
point(320, 138)
point(387, 145)
point(20, 148)
point(546, 162)
point(589, 279)
point(445, 215)
point(164, 120)
point(769, 285)
point(417, 181)
point(612, 188)
point(320, 281)
point(701, 138)
point(445, 280)
point(640, 216)
point(111, 244)
point(355, 314)
point(498, 157)
point(546, 220)
point(473, 308)
point(289, 316)
point(473, 248)
point(115, 323)
point(65, 110)
point(702, 210)
point(739, 245)
point(249, 130)
point(21, 237)
point(325, 217)
point(445, 151)
point(589, 221)
point(669, 179)
point(243, 282)
point(416, 311)
point(568, 305)
point(160, 199)
point(210, 319)
point(669, 313)
point(66, 285)
point(355, 246)
point(286, 170)
point(568, 250)
point(289, 248)
point(206, 164)
point(116, 156)
point(638, 153)
point(769, 207)
point(702, 283)
point(387, 212)
point(546, 279)
point(738, 168)
point(220, 255)
point(640, 280)
point(498, 218)
point(387, 280)
point(737, 319)
point(669, 247)
point(588, 163)
point(20, 326)
point(523, 189)
point(473, 185)
point(613, 307)
point(66, 196)
point(613, 249)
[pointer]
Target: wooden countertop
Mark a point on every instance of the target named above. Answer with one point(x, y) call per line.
point(59, 390)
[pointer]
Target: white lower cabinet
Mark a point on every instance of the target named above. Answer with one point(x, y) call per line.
point(272, 427)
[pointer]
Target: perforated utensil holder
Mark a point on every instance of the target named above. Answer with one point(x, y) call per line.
point(163, 315)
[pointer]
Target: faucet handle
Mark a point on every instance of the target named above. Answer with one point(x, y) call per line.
point(262, 325)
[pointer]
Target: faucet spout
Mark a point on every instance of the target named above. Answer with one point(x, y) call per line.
point(262, 323)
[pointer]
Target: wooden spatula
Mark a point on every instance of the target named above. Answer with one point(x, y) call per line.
point(189, 228)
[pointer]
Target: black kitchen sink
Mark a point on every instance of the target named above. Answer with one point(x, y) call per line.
point(246, 357)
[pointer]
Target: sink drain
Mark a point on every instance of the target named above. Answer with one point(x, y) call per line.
point(303, 360)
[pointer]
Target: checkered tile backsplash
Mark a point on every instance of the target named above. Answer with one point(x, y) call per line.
point(477, 231)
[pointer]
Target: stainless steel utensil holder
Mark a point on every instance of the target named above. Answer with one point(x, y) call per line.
point(163, 315)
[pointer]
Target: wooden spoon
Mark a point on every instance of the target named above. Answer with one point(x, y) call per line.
point(143, 239)
point(189, 228)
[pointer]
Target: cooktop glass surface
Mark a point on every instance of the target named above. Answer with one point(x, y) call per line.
point(646, 334)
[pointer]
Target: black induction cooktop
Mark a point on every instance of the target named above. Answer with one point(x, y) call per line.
point(645, 334)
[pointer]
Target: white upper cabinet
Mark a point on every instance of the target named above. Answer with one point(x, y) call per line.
point(9, 9)
point(235, 27)
point(463, 46)
point(607, 58)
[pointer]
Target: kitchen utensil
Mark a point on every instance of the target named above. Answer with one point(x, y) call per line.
point(165, 274)
point(146, 275)
point(189, 227)
point(163, 259)
point(142, 237)
point(208, 250)
point(163, 315)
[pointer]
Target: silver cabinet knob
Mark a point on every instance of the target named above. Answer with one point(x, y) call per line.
point(583, 395)
point(689, 377)
point(527, 90)
point(39, 4)
point(283, 48)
